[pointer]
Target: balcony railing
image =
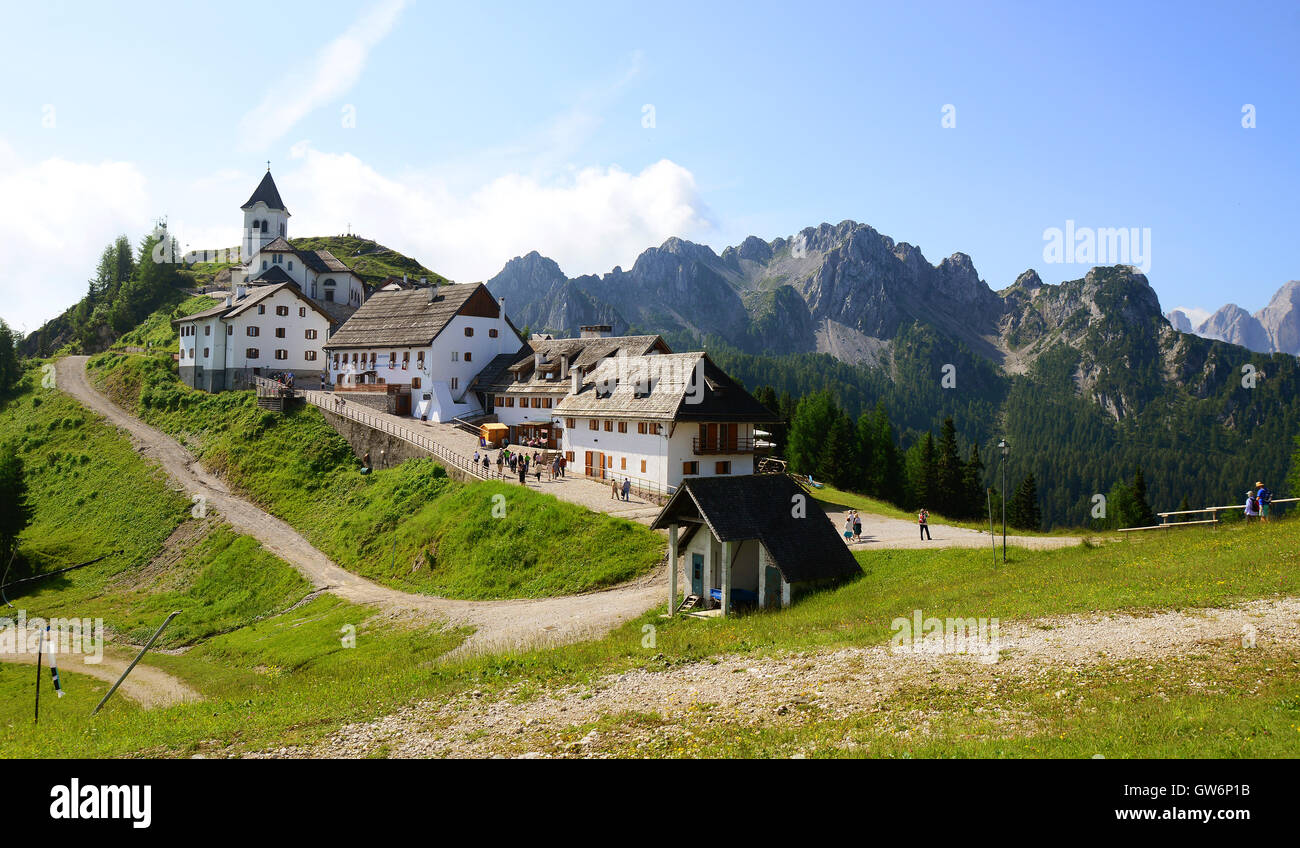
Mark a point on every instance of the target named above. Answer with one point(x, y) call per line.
point(720, 445)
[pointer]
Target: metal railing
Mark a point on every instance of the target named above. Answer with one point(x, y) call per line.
point(721, 446)
point(339, 406)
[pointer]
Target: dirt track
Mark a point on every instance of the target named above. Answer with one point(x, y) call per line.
point(498, 624)
point(756, 691)
point(147, 686)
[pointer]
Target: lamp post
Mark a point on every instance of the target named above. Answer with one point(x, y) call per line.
point(1006, 451)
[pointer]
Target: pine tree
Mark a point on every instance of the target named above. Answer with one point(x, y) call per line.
point(837, 463)
point(974, 499)
point(15, 511)
point(809, 428)
point(1023, 511)
point(948, 492)
point(1145, 517)
point(10, 368)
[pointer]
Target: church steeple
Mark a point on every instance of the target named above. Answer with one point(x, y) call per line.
point(265, 217)
point(267, 193)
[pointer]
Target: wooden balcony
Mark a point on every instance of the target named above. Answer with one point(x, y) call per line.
point(702, 447)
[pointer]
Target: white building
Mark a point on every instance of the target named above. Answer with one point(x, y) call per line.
point(658, 419)
point(522, 390)
point(416, 351)
point(255, 331)
point(269, 258)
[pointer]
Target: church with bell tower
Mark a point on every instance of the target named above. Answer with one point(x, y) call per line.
point(269, 258)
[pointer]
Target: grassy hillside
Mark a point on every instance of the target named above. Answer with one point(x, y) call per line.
point(410, 527)
point(156, 332)
point(370, 261)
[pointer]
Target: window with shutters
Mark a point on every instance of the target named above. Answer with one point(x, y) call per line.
point(279, 332)
point(609, 426)
point(469, 331)
point(282, 311)
point(570, 423)
point(309, 355)
point(593, 424)
point(281, 354)
point(310, 334)
point(722, 468)
point(690, 468)
point(492, 334)
point(252, 331)
point(252, 353)
point(643, 466)
point(622, 426)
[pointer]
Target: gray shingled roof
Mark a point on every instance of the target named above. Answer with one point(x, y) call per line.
point(274, 274)
point(255, 295)
point(758, 506)
point(581, 353)
point(267, 193)
point(402, 318)
point(612, 390)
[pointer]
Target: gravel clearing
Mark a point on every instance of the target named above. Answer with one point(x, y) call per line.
point(758, 691)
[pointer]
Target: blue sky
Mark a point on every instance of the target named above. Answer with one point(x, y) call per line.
point(485, 131)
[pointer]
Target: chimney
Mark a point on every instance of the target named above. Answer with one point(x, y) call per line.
point(241, 291)
point(433, 291)
point(575, 384)
point(229, 300)
point(564, 366)
point(595, 331)
point(538, 359)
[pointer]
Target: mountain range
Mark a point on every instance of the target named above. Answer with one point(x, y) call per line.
point(1273, 329)
point(1088, 378)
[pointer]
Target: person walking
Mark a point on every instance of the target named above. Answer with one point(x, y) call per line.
point(627, 487)
point(564, 463)
point(613, 489)
point(1252, 505)
point(848, 529)
point(523, 475)
point(923, 519)
point(1265, 499)
point(857, 526)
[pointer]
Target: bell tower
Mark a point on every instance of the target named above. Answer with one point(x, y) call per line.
point(265, 218)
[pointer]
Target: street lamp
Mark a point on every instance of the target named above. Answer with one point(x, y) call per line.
point(1006, 451)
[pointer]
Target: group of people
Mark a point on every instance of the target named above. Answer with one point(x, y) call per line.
point(522, 463)
point(1259, 500)
point(853, 525)
point(617, 492)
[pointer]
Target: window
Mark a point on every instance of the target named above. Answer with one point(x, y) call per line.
point(609, 426)
point(622, 464)
point(261, 310)
point(455, 383)
point(263, 264)
point(415, 382)
point(492, 334)
point(207, 329)
point(546, 403)
point(253, 353)
point(406, 359)
point(722, 467)
point(290, 261)
point(282, 311)
point(252, 331)
point(419, 360)
point(643, 466)
point(570, 423)
point(500, 400)
point(309, 355)
point(641, 427)
point(689, 468)
point(622, 426)
point(568, 455)
point(205, 353)
point(336, 360)
point(282, 354)
point(510, 401)
point(230, 329)
point(593, 424)
point(279, 332)
point(455, 356)
point(309, 334)
point(468, 356)
point(302, 311)
point(469, 331)
point(537, 403)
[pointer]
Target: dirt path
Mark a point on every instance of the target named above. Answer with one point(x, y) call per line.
point(147, 686)
point(755, 691)
point(498, 624)
point(879, 531)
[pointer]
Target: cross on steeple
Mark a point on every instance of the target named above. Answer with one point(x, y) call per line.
point(268, 165)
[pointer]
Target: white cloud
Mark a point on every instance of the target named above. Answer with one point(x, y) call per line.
point(587, 219)
point(335, 69)
point(1194, 314)
point(57, 217)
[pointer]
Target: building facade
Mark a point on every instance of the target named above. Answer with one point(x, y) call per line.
point(257, 331)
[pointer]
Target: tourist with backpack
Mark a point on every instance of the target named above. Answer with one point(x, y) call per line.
point(1252, 505)
point(923, 519)
point(1264, 498)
